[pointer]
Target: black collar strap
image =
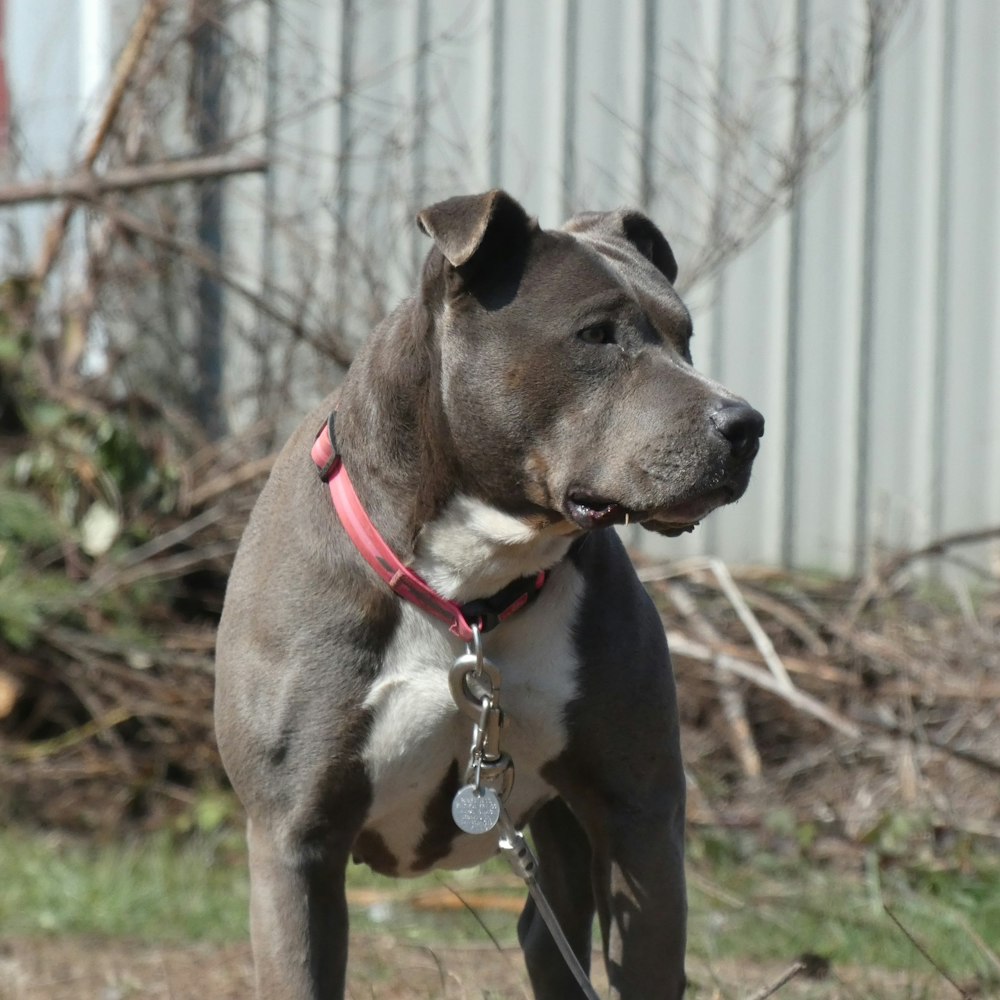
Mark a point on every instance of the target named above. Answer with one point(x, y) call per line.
point(491, 611)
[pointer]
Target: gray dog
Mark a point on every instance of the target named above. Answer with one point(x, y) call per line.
point(535, 391)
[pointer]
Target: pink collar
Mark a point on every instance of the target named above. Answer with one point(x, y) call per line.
point(484, 614)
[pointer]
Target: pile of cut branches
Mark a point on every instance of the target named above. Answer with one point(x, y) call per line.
point(118, 525)
point(836, 711)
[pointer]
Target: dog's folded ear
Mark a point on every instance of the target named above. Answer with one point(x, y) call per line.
point(470, 228)
point(635, 227)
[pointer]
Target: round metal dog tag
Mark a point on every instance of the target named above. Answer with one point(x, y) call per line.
point(475, 810)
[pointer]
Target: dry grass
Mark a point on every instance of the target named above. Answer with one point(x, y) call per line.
point(382, 969)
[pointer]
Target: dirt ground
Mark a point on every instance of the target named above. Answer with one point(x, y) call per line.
point(381, 969)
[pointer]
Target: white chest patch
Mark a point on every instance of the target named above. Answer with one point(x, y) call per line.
point(473, 550)
point(418, 733)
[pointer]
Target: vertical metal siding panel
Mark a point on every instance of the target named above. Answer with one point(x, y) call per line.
point(970, 441)
point(524, 99)
point(901, 291)
point(5, 120)
point(43, 83)
point(455, 145)
point(269, 101)
point(534, 75)
point(830, 236)
point(566, 163)
point(419, 115)
point(248, 233)
point(599, 133)
point(990, 369)
point(945, 271)
point(95, 56)
point(495, 135)
point(315, 145)
point(752, 351)
point(718, 45)
point(631, 152)
point(904, 365)
point(365, 195)
point(568, 149)
point(313, 141)
point(348, 46)
point(866, 326)
point(647, 110)
point(828, 310)
point(793, 316)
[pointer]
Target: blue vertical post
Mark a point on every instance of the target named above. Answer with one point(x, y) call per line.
point(207, 73)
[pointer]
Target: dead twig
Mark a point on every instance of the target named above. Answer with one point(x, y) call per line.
point(48, 748)
point(895, 728)
point(926, 954)
point(332, 346)
point(170, 567)
point(882, 575)
point(684, 646)
point(730, 695)
point(991, 956)
point(245, 473)
point(87, 186)
point(104, 579)
point(760, 638)
point(784, 614)
point(795, 969)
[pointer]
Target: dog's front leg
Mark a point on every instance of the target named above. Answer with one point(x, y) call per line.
point(564, 875)
point(298, 918)
point(638, 871)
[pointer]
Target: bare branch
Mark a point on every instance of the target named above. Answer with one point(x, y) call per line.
point(795, 969)
point(334, 347)
point(87, 186)
point(683, 646)
point(760, 638)
point(730, 695)
point(923, 951)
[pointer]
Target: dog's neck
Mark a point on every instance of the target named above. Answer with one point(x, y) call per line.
point(390, 430)
point(397, 447)
point(471, 550)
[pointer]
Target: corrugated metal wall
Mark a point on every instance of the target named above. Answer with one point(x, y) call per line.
point(864, 316)
point(57, 56)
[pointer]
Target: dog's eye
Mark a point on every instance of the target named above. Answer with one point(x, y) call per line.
point(598, 333)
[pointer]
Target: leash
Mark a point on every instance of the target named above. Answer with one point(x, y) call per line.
point(479, 806)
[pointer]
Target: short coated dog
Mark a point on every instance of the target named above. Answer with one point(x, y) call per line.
point(536, 391)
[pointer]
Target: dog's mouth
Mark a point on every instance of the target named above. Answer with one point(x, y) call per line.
point(588, 511)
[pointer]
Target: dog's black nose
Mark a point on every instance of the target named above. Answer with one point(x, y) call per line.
point(741, 425)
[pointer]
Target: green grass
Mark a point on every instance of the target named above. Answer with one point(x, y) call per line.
point(776, 909)
point(743, 903)
point(149, 889)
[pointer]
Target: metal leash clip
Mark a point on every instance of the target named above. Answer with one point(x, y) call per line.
point(475, 688)
point(479, 806)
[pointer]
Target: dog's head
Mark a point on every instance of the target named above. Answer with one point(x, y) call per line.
point(566, 376)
